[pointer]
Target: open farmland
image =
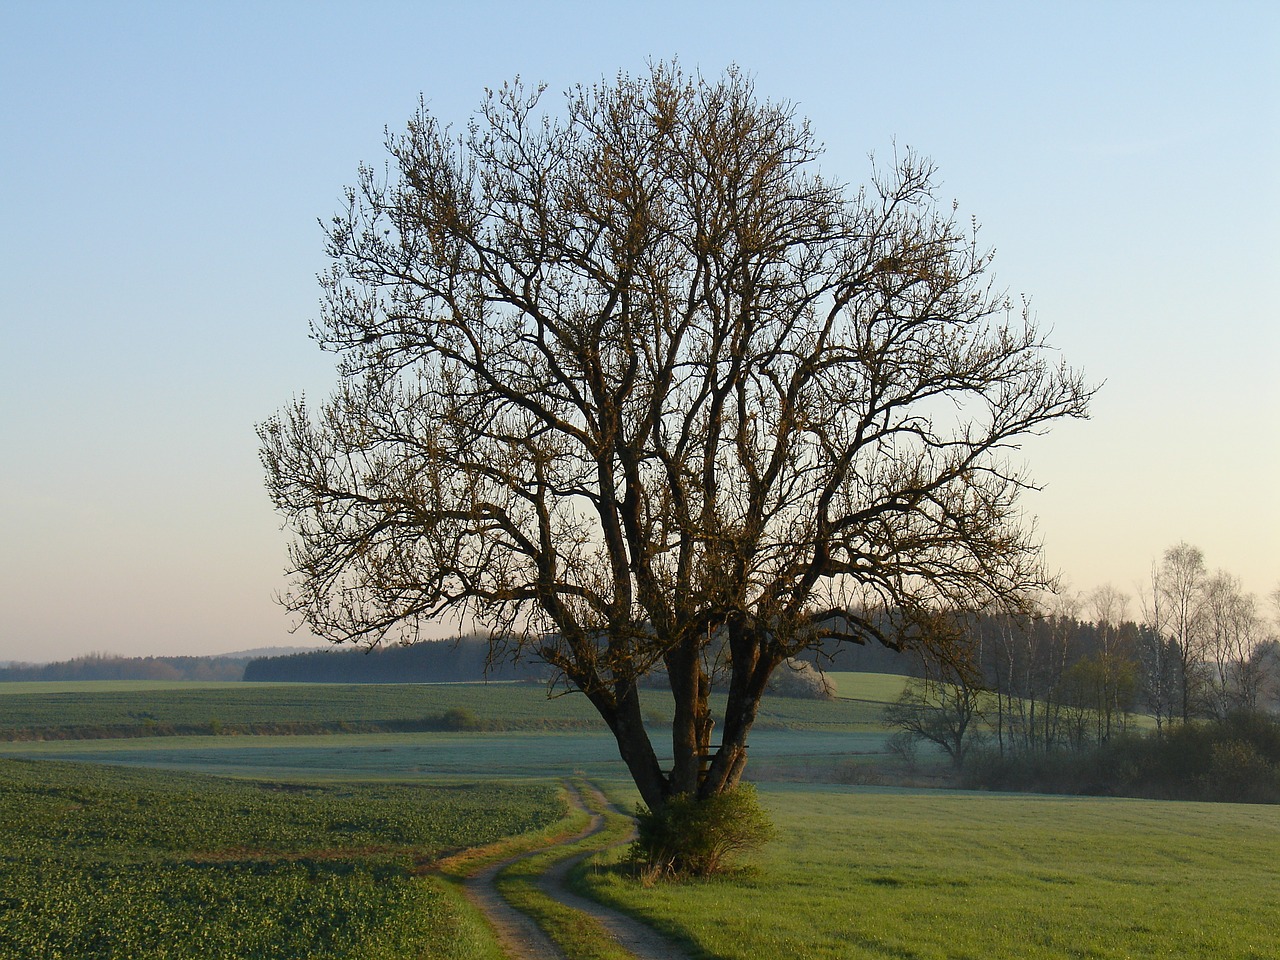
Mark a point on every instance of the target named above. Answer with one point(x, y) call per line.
point(314, 849)
point(782, 754)
point(50, 711)
point(306, 731)
point(107, 709)
point(99, 862)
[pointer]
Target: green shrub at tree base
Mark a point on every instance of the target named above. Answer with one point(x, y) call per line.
point(688, 836)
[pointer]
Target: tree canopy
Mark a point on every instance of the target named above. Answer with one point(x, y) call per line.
point(638, 388)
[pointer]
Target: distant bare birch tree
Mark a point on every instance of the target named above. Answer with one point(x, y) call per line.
point(1233, 634)
point(1114, 661)
point(1175, 609)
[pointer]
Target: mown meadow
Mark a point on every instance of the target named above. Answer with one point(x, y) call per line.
point(867, 873)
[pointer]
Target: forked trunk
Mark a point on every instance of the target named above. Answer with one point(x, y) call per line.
point(691, 724)
point(699, 767)
point(749, 676)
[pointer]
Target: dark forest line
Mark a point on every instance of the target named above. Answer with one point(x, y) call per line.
point(109, 667)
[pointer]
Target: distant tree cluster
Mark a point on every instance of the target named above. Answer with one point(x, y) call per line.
point(1212, 649)
point(1074, 677)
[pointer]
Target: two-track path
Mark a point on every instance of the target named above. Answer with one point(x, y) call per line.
point(523, 939)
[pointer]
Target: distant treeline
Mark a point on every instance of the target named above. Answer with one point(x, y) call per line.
point(435, 661)
point(106, 667)
point(438, 661)
point(450, 661)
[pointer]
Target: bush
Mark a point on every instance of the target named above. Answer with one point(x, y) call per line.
point(905, 747)
point(460, 718)
point(688, 836)
point(1239, 773)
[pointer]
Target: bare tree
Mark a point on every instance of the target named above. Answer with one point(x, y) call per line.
point(944, 706)
point(1058, 628)
point(1158, 657)
point(1266, 658)
point(1264, 666)
point(1233, 634)
point(636, 383)
point(1114, 661)
point(1176, 611)
point(1027, 662)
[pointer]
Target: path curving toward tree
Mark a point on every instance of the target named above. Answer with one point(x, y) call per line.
point(522, 938)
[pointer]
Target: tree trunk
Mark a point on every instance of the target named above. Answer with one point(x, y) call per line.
point(622, 713)
point(692, 723)
point(748, 679)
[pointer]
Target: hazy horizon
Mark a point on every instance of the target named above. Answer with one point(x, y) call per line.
point(166, 166)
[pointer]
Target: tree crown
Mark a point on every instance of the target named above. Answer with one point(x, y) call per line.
point(638, 374)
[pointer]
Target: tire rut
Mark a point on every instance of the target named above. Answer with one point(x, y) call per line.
point(523, 939)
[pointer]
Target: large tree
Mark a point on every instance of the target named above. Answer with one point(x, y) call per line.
point(637, 388)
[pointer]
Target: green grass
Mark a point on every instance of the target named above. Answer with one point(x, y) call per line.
point(778, 754)
point(528, 734)
point(99, 862)
point(26, 688)
point(95, 856)
point(932, 875)
point(110, 709)
point(879, 688)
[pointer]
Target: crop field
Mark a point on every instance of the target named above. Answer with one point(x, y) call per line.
point(51, 711)
point(861, 873)
point(99, 862)
point(779, 754)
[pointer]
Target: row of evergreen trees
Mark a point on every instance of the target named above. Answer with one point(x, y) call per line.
point(444, 661)
point(102, 666)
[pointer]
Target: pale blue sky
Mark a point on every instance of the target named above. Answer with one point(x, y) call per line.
point(163, 166)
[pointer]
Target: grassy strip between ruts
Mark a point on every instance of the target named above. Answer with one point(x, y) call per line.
point(580, 936)
point(461, 865)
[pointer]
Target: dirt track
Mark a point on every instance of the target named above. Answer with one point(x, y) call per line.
point(522, 939)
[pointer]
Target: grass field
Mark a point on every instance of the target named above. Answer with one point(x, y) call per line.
point(64, 710)
point(523, 733)
point(858, 872)
point(99, 862)
point(862, 873)
point(47, 711)
point(780, 754)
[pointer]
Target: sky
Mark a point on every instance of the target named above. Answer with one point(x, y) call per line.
point(164, 166)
